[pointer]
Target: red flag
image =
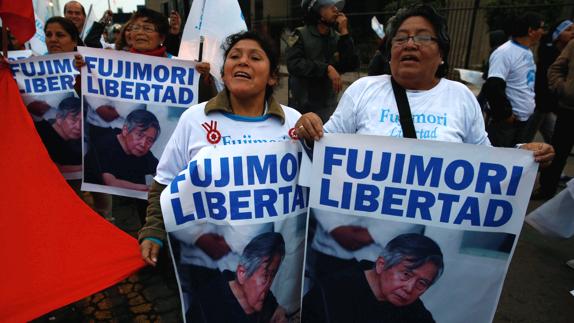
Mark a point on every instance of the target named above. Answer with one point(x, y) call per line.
point(18, 15)
point(54, 249)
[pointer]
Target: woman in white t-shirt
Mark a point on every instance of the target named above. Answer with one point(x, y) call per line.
point(245, 112)
point(441, 109)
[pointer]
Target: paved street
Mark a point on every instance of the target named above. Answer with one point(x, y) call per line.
point(536, 289)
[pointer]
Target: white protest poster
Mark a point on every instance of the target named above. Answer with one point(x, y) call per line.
point(405, 230)
point(132, 104)
point(14, 55)
point(236, 219)
point(213, 20)
point(46, 84)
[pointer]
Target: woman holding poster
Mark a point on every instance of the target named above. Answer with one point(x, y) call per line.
point(418, 47)
point(441, 109)
point(246, 114)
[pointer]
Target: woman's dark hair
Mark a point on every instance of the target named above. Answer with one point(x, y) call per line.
point(265, 44)
point(160, 21)
point(67, 24)
point(437, 21)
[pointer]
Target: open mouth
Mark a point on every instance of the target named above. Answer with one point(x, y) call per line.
point(409, 58)
point(242, 75)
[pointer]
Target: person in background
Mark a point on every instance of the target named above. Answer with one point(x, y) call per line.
point(419, 47)
point(74, 11)
point(173, 38)
point(510, 84)
point(561, 83)
point(94, 37)
point(148, 30)
point(124, 40)
point(61, 35)
point(551, 45)
point(318, 54)
point(379, 64)
point(495, 39)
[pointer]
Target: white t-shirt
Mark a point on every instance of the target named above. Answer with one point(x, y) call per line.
point(514, 63)
point(447, 112)
point(190, 135)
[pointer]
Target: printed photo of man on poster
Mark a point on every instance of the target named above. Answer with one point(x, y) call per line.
point(244, 295)
point(124, 159)
point(387, 292)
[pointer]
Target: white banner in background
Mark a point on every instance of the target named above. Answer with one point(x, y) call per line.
point(214, 20)
point(389, 215)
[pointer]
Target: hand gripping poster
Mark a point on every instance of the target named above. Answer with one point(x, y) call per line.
point(404, 230)
point(132, 103)
point(46, 84)
point(236, 221)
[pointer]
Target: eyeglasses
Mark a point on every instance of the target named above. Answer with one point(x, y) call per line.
point(417, 39)
point(148, 29)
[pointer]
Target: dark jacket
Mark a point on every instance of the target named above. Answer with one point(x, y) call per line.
point(546, 101)
point(308, 56)
point(561, 77)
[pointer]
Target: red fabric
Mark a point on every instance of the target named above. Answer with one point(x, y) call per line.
point(54, 249)
point(159, 52)
point(18, 15)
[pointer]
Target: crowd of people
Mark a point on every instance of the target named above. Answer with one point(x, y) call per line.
point(522, 96)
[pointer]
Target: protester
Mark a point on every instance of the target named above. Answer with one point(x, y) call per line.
point(419, 47)
point(551, 44)
point(74, 11)
point(387, 292)
point(510, 84)
point(173, 38)
point(560, 80)
point(94, 36)
point(379, 64)
point(113, 34)
point(149, 30)
point(495, 39)
point(318, 54)
point(61, 35)
point(144, 34)
point(124, 41)
point(146, 30)
point(246, 105)
point(245, 296)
